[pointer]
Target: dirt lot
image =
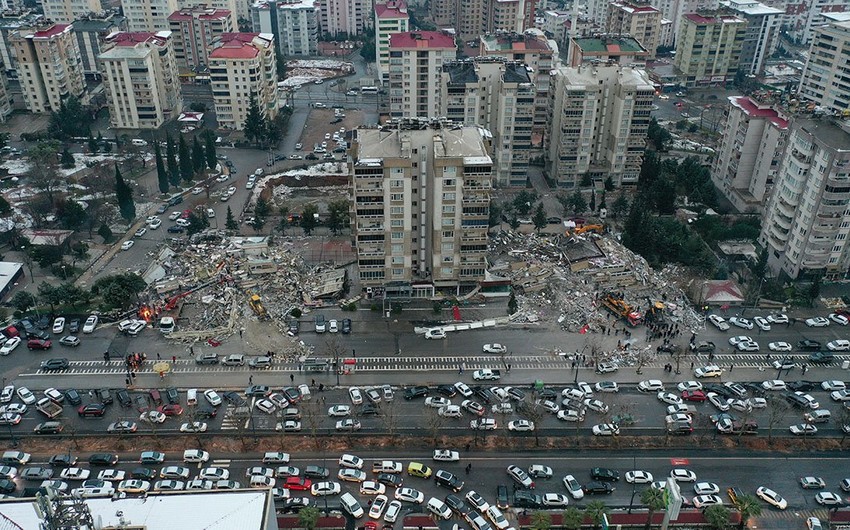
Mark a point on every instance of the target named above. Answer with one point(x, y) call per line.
point(319, 123)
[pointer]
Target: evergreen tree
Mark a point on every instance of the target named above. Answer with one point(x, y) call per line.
point(171, 161)
point(67, 159)
point(185, 161)
point(539, 218)
point(255, 124)
point(124, 195)
point(161, 174)
point(198, 160)
point(209, 150)
point(593, 202)
point(230, 222)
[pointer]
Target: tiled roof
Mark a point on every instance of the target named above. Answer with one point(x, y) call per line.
point(422, 39)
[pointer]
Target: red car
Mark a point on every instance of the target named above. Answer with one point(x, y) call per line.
point(693, 395)
point(92, 409)
point(297, 483)
point(39, 344)
point(171, 410)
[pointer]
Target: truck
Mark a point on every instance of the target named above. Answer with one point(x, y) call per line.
point(486, 374)
point(386, 466)
point(256, 304)
point(622, 309)
point(48, 407)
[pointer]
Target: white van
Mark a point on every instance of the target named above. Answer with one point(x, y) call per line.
point(439, 508)
point(192, 396)
point(138, 142)
point(166, 324)
point(260, 481)
point(350, 505)
point(259, 172)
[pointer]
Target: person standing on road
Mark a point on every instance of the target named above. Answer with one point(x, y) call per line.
point(291, 378)
point(250, 379)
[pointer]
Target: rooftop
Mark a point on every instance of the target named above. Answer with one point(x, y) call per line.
point(422, 39)
point(391, 10)
point(631, 7)
point(208, 510)
point(590, 76)
point(609, 45)
point(516, 73)
point(98, 24)
point(751, 7)
point(127, 38)
point(461, 72)
point(199, 12)
point(751, 108)
point(720, 19)
point(240, 45)
point(829, 132)
point(458, 142)
point(838, 16)
point(48, 32)
point(496, 42)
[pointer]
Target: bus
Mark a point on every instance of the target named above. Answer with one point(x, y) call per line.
point(368, 90)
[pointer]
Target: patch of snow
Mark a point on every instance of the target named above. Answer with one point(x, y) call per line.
point(323, 64)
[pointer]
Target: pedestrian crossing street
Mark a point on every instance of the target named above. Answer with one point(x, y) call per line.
point(448, 363)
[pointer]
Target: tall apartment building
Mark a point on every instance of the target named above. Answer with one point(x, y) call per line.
point(350, 17)
point(751, 145)
point(390, 18)
point(708, 51)
point(639, 20)
point(803, 17)
point(90, 32)
point(599, 116)
point(141, 80)
point(10, 23)
point(618, 49)
point(674, 10)
point(66, 11)
point(49, 66)
point(806, 222)
point(194, 30)
point(762, 34)
point(149, 15)
point(416, 59)
point(472, 18)
point(237, 8)
point(824, 81)
point(243, 67)
point(500, 97)
point(5, 100)
point(294, 25)
point(420, 206)
point(536, 51)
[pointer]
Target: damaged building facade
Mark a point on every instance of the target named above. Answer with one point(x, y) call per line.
point(421, 205)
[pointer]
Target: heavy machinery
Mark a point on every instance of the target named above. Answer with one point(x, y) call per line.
point(622, 309)
point(597, 229)
point(256, 304)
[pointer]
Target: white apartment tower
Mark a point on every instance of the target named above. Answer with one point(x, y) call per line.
point(421, 205)
point(294, 25)
point(242, 67)
point(640, 20)
point(66, 11)
point(499, 96)
point(807, 220)
point(390, 18)
point(761, 36)
point(598, 120)
point(416, 59)
point(350, 17)
point(803, 17)
point(824, 81)
point(141, 80)
point(751, 147)
point(49, 66)
point(149, 15)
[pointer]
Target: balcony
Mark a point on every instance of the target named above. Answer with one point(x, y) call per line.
point(370, 252)
point(476, 199)
point(370, 227)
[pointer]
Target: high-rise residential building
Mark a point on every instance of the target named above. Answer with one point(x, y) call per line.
point(762, 34)
point(10, 23)
point(349, 17)
point(149, 15)
point(49, 66)
point(66, 11)
point(421, 205)
point(390, 18)
point(599, 117)
point(238, 8)
point(416, 59)
point(751, 147)
point(674, 10)
point(141, 81)
point(619, 49)
point(708, 51)
point(824, 81)
point(636, 19)
point(5, 100)
point(802, 17)
point(90, 32)
point(294, 25)
point(472, 18)
point(242, 69)
point(536, 51)
point(499, 96)
point(194, 30)
point(806, 222)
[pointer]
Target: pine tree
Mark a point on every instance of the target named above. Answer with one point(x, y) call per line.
point(161, 174)
point(124, 195)
point(593, 202)
point(209, 150)
point(171, 161)
point(198, 162)
point(230, 222)
point(255, 124)
point(185, 161)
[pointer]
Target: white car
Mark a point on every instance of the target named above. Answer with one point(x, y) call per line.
point(651, 385)
point(355, 395)
point(817, 322)
point(265, 405)
point(773, 384)
point(741, 322)
point(393, 509)
point(183, 222)
point(26, 396)
point(486, 375)
point(718, 322)
point(778, 319)
point(803, 429)
point(351, 475)
point(322, 489)
point(573, 487)
point(548, 406)
point(669, 398)
point(828, 498)
point(446, 455)
point(719, 402)
point(74, 473)
point(197, 191)
point(680, 474)
point(140, 232)
point(540, 471)
point(14, 408)
point(555, 500)
point(771, 497)
point(817, 416)
point(689, 386)
point(833, 385)
point(112, 475)
point(734, 341)
point(371, 487)
point(780, 346)
point(195, 426)
point(152, 416)
point(437, 402)
point(494, 348)
point(840, 395)
point(748, 346)
point(450, 411)
point(704, 501)
point(596, 406)
point(339, 410)
point(638, 477)
point(90, 324)
point(841, 320)
point(678, 418)
point(154, 223)
point(214, 473)
point(437, 333)
point(10, 345)
point(351, 461)
point(484, 424)
point(762, 323)
point(127, 245)
point(605, 429)
point(706, 488)
point(173, 216)
point(59, 325)
point(7, 394)
point(711, 370)
point(409, 495)
point(212, 397)
point(606, 368)
point(607, 386)
point(521, 426)
point(571, 415)
point(838, 345)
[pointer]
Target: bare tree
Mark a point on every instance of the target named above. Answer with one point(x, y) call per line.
point(533, 413)
point(312, 414)
point(777, 409)
point(680, 354)
point(390, 418)
point(643, 357)
point(435, 423)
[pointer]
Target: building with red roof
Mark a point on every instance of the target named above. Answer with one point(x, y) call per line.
point(194, 30)
point(243, 69)
point(708, 49)
point(416, 59)
point(640, 20)
point(390, 18)
point(66, 11)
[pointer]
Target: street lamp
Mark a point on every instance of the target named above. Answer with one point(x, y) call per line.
point(634, 484)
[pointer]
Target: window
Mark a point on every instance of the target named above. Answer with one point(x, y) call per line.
point(398, 260)
point(447, 247)
point(448, 222)
point(448, 233)
point(397, 249)
point(397, 196)
point(448, 209)
point(396, 183)
point(447, 271)
point(448, 196)
point(397, 235)
point(397, 223)
point(448, 183)
point(398, 273)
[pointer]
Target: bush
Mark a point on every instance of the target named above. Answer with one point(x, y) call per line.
point(374, 307)
point(296, 313)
